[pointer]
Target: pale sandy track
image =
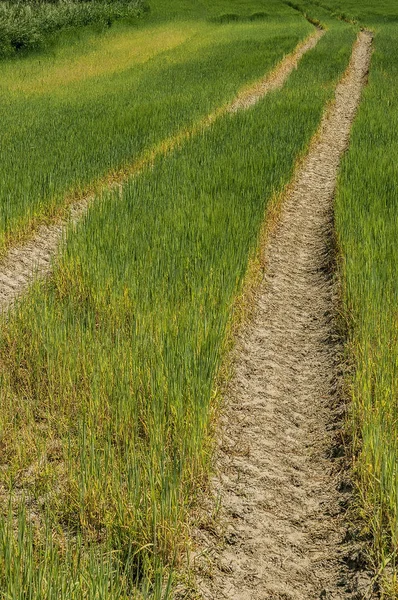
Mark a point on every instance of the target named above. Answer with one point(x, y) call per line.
point(277, 77)
point(33, 259)
point(276, 478)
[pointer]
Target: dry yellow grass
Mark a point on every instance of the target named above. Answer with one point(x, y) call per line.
point(115, 54)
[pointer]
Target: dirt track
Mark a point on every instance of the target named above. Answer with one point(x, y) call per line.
point(278, 484)
point(33, 259)
point(277, 77)
point(277, 480)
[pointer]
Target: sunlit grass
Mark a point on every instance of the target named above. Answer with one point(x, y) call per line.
point(367, 227)
point(118, 50)
point(367, 231)
point(108, 370)
point(367, 12)
point(63, 128)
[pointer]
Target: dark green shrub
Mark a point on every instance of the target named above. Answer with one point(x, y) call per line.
point(30, 25)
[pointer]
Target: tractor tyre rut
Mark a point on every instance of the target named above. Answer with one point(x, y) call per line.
point(280, 487)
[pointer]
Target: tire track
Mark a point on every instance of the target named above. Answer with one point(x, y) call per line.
point(33, 259)
point(277, 77)
point(277, 481)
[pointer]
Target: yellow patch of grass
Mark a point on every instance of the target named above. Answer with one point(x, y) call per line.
point(115, 54)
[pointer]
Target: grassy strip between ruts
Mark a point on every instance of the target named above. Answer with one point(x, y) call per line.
point(108, 369)
point(70, 117)
point(367, 229)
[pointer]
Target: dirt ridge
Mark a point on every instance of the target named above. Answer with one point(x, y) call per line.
point(280, 486)
point(31, 260)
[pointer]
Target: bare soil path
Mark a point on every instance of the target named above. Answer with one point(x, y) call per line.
point(33, 259)
point(278, 482)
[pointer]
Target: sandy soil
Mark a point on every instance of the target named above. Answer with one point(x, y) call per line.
point(281, 488)
point(33, 259)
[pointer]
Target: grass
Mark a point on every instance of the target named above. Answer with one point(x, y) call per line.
point(367, 227)
point(73, 116)
point(367, 230)
point(108, 370)
point(29, 25)
point(365, 12)
point(216, 9)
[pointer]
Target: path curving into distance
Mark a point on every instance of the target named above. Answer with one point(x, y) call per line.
point(276, 478)
point(277, 77)
point(33, 259)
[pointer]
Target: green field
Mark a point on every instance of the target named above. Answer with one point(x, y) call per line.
point(97, 102)
point(365, 12)
point(110, 369)
point(367, 233)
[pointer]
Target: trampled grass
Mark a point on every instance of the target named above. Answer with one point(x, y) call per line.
point(108, 370)
point(70, 117)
